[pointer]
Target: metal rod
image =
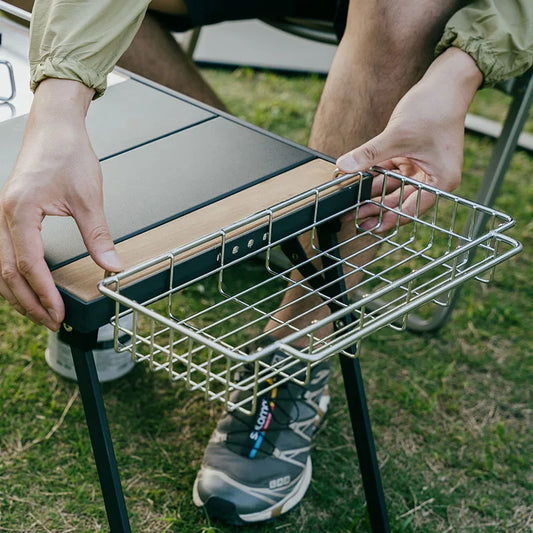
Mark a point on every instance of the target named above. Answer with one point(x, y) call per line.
point(364, 442)
point(357, 404)
point(104, 455)
point(9, 66)
point(15, 11)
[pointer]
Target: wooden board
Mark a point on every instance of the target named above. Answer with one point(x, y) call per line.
point(81, 277)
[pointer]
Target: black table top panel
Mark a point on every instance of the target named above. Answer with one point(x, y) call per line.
point(131, 113)
point(161, 180)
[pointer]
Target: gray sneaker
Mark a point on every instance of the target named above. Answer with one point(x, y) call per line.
point(257, 467)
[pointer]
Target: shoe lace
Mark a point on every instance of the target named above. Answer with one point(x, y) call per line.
point(277, 410)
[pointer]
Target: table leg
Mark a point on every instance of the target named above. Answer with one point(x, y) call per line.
point(102, 445)
point(364, 442)
point(355, 393)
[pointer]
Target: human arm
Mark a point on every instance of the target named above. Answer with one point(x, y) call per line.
point(497, 34)
point(57, 172)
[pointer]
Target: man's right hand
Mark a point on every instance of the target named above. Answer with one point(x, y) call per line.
point(423, 139)
point(56, 173)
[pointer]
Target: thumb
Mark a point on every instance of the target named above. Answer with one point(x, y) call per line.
point(97, 238)
point(374, 151)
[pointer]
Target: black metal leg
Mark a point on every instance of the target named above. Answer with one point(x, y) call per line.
point(102, 444)
point(364, 442)
point(334, 286)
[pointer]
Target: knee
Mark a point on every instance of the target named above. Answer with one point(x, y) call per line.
point(396, 31)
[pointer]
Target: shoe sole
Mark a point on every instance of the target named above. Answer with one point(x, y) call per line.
point(217, 507)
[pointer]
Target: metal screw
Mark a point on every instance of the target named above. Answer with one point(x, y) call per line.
point(339, 324)
point(250, 243)
point(235, 250)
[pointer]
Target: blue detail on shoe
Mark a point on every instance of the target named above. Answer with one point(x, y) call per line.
point(257, 445)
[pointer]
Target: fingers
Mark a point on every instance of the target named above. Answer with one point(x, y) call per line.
point(97, 237)
point(397, 208)
point(380, 148)
point(5, 291)
point(26, 281)
point(389, 191)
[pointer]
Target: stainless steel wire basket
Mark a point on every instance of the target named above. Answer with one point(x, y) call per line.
point(218, 344)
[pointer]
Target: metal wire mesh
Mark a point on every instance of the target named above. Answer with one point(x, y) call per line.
point(208, 328)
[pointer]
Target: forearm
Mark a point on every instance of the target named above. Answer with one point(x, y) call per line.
point(60, 98)
point(456, 72)
point(74, 45)
point(81, 40)
point(57, 105)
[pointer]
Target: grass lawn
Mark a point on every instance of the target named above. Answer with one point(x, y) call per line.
point(451, 411)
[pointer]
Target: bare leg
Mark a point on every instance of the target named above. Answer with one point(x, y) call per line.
point(386, 48)
point(155, 54)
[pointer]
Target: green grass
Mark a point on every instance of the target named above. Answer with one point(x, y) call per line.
point(451, 411)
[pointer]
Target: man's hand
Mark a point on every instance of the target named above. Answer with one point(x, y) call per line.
point(423, 138)
point(56, 173)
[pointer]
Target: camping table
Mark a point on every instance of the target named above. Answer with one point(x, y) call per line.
point(190, 191)
point(165, 160)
